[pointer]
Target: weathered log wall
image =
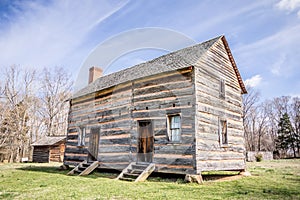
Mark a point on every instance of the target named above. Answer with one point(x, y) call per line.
point(210, 154)
point(117, 112)
point(56, 153)
point(40, 154)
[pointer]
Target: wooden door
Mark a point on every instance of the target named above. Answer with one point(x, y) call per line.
point(94, 144)
point(145, 141)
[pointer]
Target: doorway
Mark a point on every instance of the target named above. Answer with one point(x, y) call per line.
point(145, 141)
point(94, 144)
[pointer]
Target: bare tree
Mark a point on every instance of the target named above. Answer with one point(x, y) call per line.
point(16, 101)
point(250, 102)
point(271, 125)
point(55, 90)
point(262, 128)
point(29, 111)
point(281, 106)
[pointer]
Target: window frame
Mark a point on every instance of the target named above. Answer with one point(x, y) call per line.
point(223, 132)
point(169, 128)
point(81, 136)
point(222, 88)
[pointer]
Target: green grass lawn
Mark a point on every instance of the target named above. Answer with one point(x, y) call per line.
point(279, 179)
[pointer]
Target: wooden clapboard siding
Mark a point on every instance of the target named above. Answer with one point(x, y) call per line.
point(210, 154)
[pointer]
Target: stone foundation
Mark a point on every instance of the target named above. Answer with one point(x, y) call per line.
point(193, 178)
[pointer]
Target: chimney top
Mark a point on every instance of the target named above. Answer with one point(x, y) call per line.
point(94, 73)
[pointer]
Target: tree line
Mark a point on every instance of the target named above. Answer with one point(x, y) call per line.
point(33, 104)
point(272, 125)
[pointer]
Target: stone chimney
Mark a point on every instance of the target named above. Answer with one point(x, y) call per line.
point(94, 73)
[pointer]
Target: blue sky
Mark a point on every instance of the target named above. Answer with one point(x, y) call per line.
point(264, 36)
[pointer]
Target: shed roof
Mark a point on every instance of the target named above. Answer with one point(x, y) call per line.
point(48, 141)
point(173, 61)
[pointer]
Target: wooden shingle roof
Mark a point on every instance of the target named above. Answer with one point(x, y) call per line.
point(48, 141)
point(173, 61)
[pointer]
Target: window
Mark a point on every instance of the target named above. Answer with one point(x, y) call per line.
point(223, 132)
point(222, 88)
point(81, 136)
point(174, 128)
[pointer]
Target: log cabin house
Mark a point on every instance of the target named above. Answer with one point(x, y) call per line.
point(49, 149)
point(181, 112)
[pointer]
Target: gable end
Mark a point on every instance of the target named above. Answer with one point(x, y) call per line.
point(238, 75)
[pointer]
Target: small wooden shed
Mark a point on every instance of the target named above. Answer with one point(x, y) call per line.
point(49, 149)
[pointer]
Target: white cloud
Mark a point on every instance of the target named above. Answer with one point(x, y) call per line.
point(276, 54)
point(46, 35)
point(253, 81)
point(277, 67)
point(219, 18)
point(283, 38)
point(288, 5)
point(282, 46)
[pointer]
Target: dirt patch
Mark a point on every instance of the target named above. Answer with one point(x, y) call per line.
point(220, 178)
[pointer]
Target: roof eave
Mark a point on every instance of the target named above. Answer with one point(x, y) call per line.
point(240, 80)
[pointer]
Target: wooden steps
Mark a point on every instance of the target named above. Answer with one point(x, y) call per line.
point(84, 168)
point(136, 172)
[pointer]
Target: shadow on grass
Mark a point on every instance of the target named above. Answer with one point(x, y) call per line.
point(180, 178)
point(57, 170)
point(164, 177)
point(44, 169)
point(112, 174)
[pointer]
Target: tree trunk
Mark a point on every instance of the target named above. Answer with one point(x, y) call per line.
point(11, 156)
point(259, 141)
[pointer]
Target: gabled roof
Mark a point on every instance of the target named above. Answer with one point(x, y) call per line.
point(173, 61)
point(48, 141)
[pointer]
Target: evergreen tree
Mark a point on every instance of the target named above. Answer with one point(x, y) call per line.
point(286, 138)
